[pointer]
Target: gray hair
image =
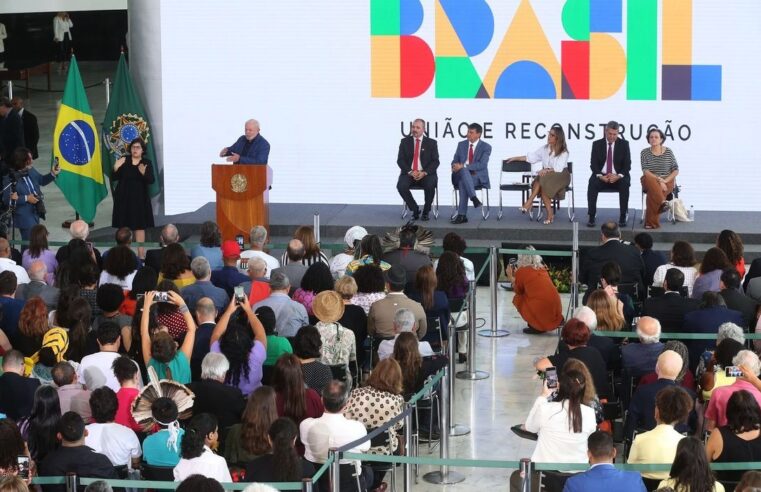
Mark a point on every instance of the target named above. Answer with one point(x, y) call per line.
point(587, 316)
point(533, 261)
point(645, 338)
point(200, 267)
point(79, 229)
point(405, 320)
point(169, 234)
point(279, 281)
point(214, 366)
point(99, 486)
point(749, 359)
point(255, 123)
point(612, 125)
point(730, 330)
point(258, 235)
point(37, 271)
point(257, 264)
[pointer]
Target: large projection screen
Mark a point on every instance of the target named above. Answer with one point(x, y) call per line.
point(336, 84)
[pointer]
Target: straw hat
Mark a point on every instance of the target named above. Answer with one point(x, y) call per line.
point(328, 306)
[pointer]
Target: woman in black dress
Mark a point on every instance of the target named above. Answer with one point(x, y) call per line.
point(132, 204)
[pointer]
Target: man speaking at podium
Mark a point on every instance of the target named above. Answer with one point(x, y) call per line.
point(250, 148)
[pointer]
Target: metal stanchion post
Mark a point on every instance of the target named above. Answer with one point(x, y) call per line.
point(108, 90)
point(575, 268)
point(408, 450)
point(306, 485)
point(70, 484)
point(10, 89)
point(316, 226)
point(335, 471)
point(525, 473)
point(470, 372)
point(493, 278)
point(444, 476)
point(454, 429)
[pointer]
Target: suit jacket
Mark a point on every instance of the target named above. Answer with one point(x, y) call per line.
point(294, 272)
point(622, 158)
point(11, 134)
point(626, 255)
point(429, 155)
point(409, 259)
point(641, 414)
point(652, 260)
point(153, 258)
point(25, 215)
point(480, 164)
point(605, 478)
point(753, 272)
point(257, 153)
point(226, 402)
point(34, 288)
point(31, 131)
point(17, 395)
point(740, 302)
point(707, 320)
point(380, 319)
point(670, 309)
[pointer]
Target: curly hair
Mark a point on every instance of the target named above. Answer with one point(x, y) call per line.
point(317, 278)
point(163, 347)
point(683, 254)
point(174, 261)
point(33, 320)
point(371, 246)
point(260, 412)
point(236, 344)
point(104, 404)
point(210, 235)
point(450, 271)
point(731, 244)
point(369, 279)
point(11, 445)
point(714, 259)
point(120, 261)
point(455, 243)
point(307, 342)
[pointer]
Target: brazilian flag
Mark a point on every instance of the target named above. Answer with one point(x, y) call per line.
point(76, 147)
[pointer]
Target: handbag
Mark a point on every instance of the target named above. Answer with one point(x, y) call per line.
point(40, 208)
point(679, 210)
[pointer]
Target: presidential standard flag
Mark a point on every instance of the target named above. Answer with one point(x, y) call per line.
point(76, 147)
point(125, 121)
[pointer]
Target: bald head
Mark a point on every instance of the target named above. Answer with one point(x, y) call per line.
point(5, 248)
point(169, 234)
point(295, 250)
point(649, 330)
point(37, 271)
point(205, 310)
point(669, 365)
point(79, 230)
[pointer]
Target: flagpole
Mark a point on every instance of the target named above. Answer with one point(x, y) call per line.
point(108, 90)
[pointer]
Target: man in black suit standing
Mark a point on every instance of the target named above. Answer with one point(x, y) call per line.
point(613, 249)
point(29, 123)
point(11, 133)
point(671, 307)
point(418, 160)
point(611, 162)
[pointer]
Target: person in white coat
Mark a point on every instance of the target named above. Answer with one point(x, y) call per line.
point(62, 25)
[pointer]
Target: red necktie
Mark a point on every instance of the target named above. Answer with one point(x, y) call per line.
point(416, 155)
point(470, 154)
point(609, 160)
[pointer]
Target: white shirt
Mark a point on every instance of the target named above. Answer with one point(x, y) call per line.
point(117, 442)
point(690, 274)
point(125, 283)
point(208, 464)
point(21, 276)
point(386, 348)
point(270, 260)
point(61, 27)
point(332, 430)
point(475, 145)
point(3, 35)
point(95, 371)
point(557, 443)
point(541, 159)
point(612, 153)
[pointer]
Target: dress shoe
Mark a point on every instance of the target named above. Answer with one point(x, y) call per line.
point(476, 202)
point(532, 331)
point(416, 215)
point(521, 432)
point(591, 222)
point(462, 358)
point(425, 217)
point(460, 219)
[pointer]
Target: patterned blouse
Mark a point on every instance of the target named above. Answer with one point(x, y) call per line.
point(305, 298)
point(660, 165)
point(365, 300)
point(373, 408)
point(338, 344)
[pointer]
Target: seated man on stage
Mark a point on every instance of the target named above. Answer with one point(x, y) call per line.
point(250, 148)
point(611, 162)
point(470, 169)
point(418, 160)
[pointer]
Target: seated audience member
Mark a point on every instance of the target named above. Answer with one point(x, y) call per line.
point(9, 306)
point(734, 297)
point(316, 279)
point(652, 259)
point(249, 439)
point(332, 429)
point(685, 378)
point(203, 287)
point(404, 322)
point(640, 358)
point(162, 448)
point(74, 456)
point(434, 302)
point(612, 248)
point(451, 276)
point(683, 259)
point(602, 475)
point(258, 238)
point(72, 396)
point(673, 405)
point(641, 415)
point(751, 480)
point(16, 391)
point(241, 338)
point(283, 463)
point(690, 470)
point(608, 310)
point(338, 344)
point(161, 352)
point(370, 253)
point(257, 287)
point(79, 230)
point(732, 245)
point(7, 264)
point(576, 335)
point(116, 441)
point(123, 237)
point(154, 257)
point(312, 253)
point(87, 283)
point(95, 370)
point(354, 317)
point(208, 246)
point(714, 375)
point(406, 255)
point(145, 279)
point(37, 287)
point(206, 314)
point(292, 267)
point(289, 314)
point(32, 326)
point(276, 345)
point(415, 368)
point(716, 412)
point(38, 250)
point(709, 278)
point(536, 298)
point(175, 266)
point(128, 374)
point(71, 271)
point(670, 308)
point(201, 436)
point(740, 439)
point(167, 313)
point(78, 320)
point(12, 446)
point(307, 345)
point(109, 298)
point(40, 428)
point(213, 396)
point(454, 243)
point(607, 348)
point(610, 278)
point(119, 267)
point(340, 262)
point(712, 314)
point(371, 286)
point(294, 400)
point(55, 343)
point(380, 319)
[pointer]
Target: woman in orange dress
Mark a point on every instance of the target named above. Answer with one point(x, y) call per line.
point(536, 297)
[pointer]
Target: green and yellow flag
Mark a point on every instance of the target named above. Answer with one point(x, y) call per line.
point(76, 148)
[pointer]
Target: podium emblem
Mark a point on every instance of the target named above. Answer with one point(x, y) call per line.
point(239, 183)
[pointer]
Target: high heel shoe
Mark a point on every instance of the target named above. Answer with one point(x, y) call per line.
point(523, 210)
point(548, 221)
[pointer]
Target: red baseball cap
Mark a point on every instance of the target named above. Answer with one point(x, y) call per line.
point(230, 249)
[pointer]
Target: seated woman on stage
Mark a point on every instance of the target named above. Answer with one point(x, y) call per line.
point(552, 178)
point(659, 170)
point(536, 298)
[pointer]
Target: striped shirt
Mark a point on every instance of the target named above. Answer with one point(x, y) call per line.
point(660, 165)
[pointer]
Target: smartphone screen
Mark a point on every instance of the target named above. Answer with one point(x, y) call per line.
point(240, 295)
point(732, 372)
point(239, 238)
point(23, 466)
point(551, 376)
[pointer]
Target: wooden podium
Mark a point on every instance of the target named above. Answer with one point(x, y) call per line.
point(242, 197)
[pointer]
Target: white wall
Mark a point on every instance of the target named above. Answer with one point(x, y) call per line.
point(29, 6)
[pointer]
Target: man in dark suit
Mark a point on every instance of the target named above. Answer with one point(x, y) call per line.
point(11, 132)
point(651, 259)
point(613, 249)
point(38, 287)
point(29, 123)
point(611, 162)
point(169, 235)
point(213, 396)
point(602, 476)
point(671, 307)
point(418, 160)
point(470, 169)
point(735, 299)
point(406, 256)
point(16, 391)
